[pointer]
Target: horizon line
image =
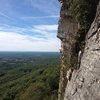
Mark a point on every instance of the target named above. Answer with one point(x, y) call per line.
point(30, 51)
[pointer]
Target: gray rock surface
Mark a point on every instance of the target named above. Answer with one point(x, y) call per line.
point(82, 83)
point(67, 26)
point(85, 82)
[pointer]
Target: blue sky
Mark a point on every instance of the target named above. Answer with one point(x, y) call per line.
point(29, 25)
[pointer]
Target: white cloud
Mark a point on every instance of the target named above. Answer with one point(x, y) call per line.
point(10, 41)
point(6, 16)
point(37, 30)
point(41, 17)
point(50, 7)
point(46, 27)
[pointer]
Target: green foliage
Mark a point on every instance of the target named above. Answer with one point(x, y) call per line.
point(36, 91)
point(83, 11)
point(33, 79)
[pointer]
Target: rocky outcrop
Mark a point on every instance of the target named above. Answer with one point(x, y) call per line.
point(80, 80)
point(67, 27)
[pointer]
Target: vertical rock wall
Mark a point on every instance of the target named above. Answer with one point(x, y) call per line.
point(82, 83)
point(67, 33)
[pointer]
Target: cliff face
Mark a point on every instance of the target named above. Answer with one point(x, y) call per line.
point(80, 70)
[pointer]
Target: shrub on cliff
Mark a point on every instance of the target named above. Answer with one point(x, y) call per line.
point(83, 11)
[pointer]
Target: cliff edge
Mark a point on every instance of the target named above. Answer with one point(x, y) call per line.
point(80, 66)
